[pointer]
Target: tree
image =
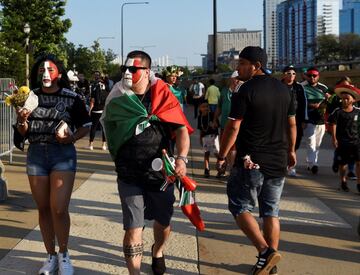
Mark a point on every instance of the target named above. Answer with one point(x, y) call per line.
point(350, 46)
point(43, 17)
point(327, 48)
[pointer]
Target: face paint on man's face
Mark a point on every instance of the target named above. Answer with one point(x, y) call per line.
point(129, 78)
point(48, 73)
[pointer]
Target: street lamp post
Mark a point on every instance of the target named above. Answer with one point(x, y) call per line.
point(122, 26)
point(27, 32)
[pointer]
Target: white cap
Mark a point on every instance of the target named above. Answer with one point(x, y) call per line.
point(234, 74)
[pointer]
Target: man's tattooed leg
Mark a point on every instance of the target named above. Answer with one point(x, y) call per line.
point(133, 250)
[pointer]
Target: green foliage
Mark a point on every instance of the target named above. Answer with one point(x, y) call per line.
point(223, 68)
point(46, 34)
point(331, 48)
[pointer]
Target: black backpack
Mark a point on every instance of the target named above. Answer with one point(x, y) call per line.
point(99, 93)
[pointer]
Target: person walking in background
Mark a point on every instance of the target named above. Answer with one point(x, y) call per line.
point(314, 127)
point(297, 91)
point(209, 135)
point(198, 97)
point(140, 116)
point(51, 157)
point(171, 75)
point(344, 122)
point(222, 113)
point(212, 95)
point(262, 123)
point(98, 93)
point(333, 103)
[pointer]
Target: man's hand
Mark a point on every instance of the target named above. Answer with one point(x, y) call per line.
point(180, 168)
point(221, 165)
point(291, 159)
point(335, 142)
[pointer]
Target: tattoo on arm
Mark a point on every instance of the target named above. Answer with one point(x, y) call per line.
point(133, 250)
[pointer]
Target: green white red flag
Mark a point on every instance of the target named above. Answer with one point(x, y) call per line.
point(125, 116)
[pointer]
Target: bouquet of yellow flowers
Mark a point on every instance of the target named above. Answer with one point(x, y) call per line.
point(22, 98)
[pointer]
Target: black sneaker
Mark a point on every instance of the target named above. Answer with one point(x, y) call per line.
point(314, 169)
point(351, 176)
point(266, 262)
point(344, 187)
point(207, 173)
point(274, 271)
point(358, 187)
point(158, 264)
point(220, 175)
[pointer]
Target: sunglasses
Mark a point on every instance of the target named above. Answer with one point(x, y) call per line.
point(132, 69)
point(312, 75)
point(290, 73)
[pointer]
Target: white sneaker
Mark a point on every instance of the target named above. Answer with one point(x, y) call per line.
point(104, 147)
point(50, 265)
point(90, 147)
point(292, 172)
point(65, 266)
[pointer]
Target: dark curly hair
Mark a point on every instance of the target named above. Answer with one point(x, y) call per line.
point(63, 82)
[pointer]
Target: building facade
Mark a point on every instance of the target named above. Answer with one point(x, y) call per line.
point(299, 22)
point(350, 17)
point(270, 30)
point(230, 42)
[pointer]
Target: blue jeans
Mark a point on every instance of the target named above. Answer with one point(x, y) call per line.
point(246, 186)
point(43, 158)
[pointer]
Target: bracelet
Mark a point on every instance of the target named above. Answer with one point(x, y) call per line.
point(21, 123)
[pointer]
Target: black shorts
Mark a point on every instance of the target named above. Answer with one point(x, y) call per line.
point(348, 153)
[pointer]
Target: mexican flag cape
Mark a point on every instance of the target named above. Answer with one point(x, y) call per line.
point(313, 94)
point(125, 116)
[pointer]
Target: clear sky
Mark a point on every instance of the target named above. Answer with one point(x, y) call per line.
point(177, 28)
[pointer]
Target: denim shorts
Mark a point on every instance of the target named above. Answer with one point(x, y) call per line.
point(43, 158)
point(139, 204)
point(245, 186)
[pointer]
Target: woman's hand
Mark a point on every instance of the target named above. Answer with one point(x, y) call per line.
point(65, 139)
point(22, 114)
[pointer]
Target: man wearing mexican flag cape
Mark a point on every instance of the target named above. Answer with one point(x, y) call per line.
point(141, 117)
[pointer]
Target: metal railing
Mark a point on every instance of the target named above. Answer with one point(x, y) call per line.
point(7, 118)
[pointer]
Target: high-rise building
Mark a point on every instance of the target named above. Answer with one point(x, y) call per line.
point(270, 30)
point(299, 23)
point(350, 17)
point(232, 41)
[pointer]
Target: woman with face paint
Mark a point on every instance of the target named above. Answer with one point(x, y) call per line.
point(51, 158)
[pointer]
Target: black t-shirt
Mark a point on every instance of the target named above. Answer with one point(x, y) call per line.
point(52, 108)
point(205, 123)
point(347, 125)
point(133, 161)
point(99, 92)
point(263, 104)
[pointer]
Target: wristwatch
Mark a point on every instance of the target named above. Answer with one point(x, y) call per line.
point(220, 158)
point(184, 159)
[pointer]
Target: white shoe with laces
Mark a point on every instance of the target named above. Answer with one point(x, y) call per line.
point(50, 265)
point(65, 266)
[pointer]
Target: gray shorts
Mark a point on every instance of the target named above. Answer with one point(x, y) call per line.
point(139, 204)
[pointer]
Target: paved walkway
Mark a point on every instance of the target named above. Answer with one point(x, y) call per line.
point(318, 224)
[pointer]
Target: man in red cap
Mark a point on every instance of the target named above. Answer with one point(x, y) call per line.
point(314, 127)
point(344, 122)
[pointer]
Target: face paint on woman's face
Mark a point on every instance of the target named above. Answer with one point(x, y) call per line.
point(133, 78)
point(48, 73)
